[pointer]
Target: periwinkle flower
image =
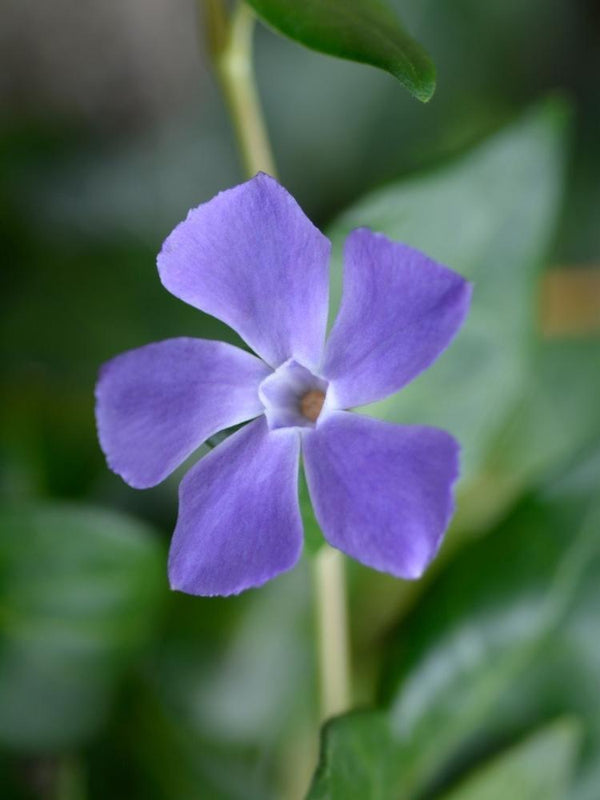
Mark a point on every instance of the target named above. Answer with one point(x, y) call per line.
point(382, 493)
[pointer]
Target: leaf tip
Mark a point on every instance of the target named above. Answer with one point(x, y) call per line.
point(422, 86)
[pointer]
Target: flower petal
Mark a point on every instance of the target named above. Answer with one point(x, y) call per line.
point(239, 522)
point(157, 404)
point(399, 311)
point(253, 259)
point(382, 493)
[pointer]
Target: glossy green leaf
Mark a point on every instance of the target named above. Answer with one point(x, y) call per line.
point(539, 767)
point(356, 760)
point(489, 215)
point(79, 594)
point(367, 31)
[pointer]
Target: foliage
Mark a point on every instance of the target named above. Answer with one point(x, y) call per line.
point(359, 30)
point(79, 594)
point(479, 681)
point(457, 663)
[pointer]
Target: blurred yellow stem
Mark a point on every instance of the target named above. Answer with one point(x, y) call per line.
point(230, 43)
point(332, 630)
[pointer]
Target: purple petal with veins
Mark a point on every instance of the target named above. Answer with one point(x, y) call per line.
point(382, 493)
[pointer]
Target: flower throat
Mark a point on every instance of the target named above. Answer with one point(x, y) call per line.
point(311, 404)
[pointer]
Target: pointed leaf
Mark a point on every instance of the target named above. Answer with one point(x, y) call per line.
point(358, 30)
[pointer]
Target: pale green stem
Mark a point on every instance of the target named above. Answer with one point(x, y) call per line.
point(230, 42)
point(332, 632)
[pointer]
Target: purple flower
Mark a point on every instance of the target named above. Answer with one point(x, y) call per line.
point(382, 493)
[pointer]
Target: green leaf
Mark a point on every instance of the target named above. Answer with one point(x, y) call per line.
point(359, 30)
point(356, 761)
point(484, 625)
point(460, 658)
point(79, 595)
point(557, 416)
point(553, 420)
point(539, 767)
point(489, 215)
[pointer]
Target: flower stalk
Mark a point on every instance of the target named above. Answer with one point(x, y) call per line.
point(332, 632)
point(230, 47)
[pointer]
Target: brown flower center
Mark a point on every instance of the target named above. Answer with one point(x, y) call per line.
point(311, 404)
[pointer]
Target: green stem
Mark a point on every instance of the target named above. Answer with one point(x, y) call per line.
point(230, 44)
point(332, 630)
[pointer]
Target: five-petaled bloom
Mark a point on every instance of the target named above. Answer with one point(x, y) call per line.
point(382, 493)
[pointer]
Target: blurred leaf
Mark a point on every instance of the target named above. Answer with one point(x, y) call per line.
point(367, 31)
point(356, 759)
point(564, 677)
point(461, 656)
point(538, 768)
point(553, 420)
point(249, 675)
point(226, 699)
point(480, 629)
point(489, 215)
point(151, 755)
point(558, 414)
point(79, 594)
